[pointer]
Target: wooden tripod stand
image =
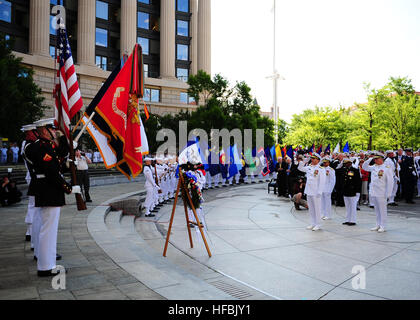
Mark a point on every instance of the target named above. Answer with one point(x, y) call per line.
point(185, 197)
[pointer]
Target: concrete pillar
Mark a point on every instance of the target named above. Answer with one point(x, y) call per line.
point(194, 37)
point(167, 39)
point(86, 31)
point(128, 26)
point(204, 35)
point(39, 27)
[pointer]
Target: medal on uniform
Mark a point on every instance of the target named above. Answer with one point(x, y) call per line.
point(381, 174)
point(316, 173)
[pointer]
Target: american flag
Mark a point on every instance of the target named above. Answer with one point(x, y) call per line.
point(67, 87)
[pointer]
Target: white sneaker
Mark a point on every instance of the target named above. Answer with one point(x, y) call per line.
point(381, 230)
point(375, 229)
point(310, 228)
point(326, 218)
point(317, 228)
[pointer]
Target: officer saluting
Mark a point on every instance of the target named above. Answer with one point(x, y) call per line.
point(382, 183)
point(352, 184)
point(49, 188)
point(315, 185)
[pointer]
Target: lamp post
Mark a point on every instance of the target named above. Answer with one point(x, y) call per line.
point(275, 77)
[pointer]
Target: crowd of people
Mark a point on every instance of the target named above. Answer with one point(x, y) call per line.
point(316, 181)
point(9, 154)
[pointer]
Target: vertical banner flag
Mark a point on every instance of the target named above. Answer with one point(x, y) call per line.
point(116, 126)
point(346, 148)
point(67, 87)
point(337, 148)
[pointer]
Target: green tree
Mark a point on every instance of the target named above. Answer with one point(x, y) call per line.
point(21, 101)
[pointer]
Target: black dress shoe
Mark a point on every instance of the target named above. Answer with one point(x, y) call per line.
point(346, 223)
point(58, 257)
point(351, 224)
point(89, 201)
point(28, 238)
point(48, 273)
point(32, 249)
point(150, 215)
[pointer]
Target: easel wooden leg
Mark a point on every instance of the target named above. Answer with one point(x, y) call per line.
point(172, 219)
point(188, 223)
point(200, 226)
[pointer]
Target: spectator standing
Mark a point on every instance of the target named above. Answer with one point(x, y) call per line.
point(15, 153)
point(3, 154)
point(82, 173)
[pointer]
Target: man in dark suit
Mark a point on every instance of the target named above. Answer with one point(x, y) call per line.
point(281, 169)
point(408, 176)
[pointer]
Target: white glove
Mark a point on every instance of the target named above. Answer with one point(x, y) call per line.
point(75, 145)
point(76, 190)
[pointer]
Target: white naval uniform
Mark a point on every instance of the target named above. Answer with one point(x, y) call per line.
point(47, 245)
point(150, 186)
point(326, 194)
point(389, 162)
point(315, 182)
point(381, 185)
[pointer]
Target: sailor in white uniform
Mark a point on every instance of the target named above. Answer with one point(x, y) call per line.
point(150, 186)
point(381, 186)
point(315, 175)
point(328, 189)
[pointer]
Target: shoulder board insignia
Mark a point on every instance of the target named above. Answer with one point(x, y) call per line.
point(47, 158)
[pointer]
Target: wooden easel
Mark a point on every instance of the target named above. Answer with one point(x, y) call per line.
point(181, 185)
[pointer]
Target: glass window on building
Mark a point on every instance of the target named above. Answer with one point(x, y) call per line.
point(183, 5)
point(146, 70)
point(184, 97)
point(143, 20)
point(54, 2)
point(102, 62)
point(5, 11)
point(155, 95)
point(52, 52)
point(146, 96)
point(183, 28)
point(144, 1)
point(182, 52)
point(101, 37)
point(182, 74)
point(144, 42)
point(101, 10)
point(53, 31)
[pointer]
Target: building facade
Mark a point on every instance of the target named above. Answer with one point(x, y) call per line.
point(175, 36)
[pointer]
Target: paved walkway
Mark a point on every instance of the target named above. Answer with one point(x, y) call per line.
point(91, 273)
point(260, 248)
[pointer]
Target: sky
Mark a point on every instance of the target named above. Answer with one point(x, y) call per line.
point(326, 49)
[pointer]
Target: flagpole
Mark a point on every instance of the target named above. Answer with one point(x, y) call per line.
point(84, 127)
point(81, 205)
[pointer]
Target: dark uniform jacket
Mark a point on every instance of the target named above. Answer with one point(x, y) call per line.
point(408, 169)
point(30, 166)
point(49, 185)
point(350, 180)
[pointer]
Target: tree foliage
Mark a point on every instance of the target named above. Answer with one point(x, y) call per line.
point(389, 119)
point(223, 107)
point(21, 102)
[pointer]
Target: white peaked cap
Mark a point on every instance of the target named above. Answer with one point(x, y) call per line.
point(44, 122)
point(28, 127)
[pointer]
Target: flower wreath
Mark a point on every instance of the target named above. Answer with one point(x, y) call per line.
point(190, 183)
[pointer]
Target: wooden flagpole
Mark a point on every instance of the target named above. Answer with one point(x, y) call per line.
point(181, 185)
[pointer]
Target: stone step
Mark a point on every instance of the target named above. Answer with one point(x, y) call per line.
point(127, 248)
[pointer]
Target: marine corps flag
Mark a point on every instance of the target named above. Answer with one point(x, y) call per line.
point(116, 125)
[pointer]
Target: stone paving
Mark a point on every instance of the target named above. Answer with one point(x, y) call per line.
point(260, 248)
point(92, 275)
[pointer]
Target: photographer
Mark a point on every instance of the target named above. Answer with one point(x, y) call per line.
point(83, 173)
point(299, 196)
point(9, 193)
